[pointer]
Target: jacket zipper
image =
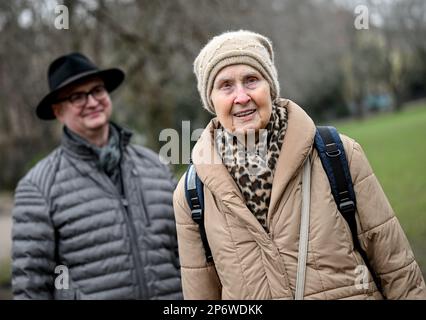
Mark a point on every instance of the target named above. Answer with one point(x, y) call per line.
point(141, 198)
point(143, 287)
point(135, 172)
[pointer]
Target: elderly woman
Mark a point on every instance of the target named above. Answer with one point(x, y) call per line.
point(253, 200)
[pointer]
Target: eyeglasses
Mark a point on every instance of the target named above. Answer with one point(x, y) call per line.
point(79, 99)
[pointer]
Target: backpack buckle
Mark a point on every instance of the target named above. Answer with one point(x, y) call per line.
point(196, 215)
point(346, 206)
point(332, 150)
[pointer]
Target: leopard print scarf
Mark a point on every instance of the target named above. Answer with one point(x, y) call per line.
point(252, 165)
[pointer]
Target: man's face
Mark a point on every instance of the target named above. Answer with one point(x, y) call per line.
point(84, 114)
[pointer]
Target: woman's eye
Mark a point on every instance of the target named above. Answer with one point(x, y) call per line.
point(225, 85)
point(252, 80)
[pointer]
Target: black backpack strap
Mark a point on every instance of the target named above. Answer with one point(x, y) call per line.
point(195, 197)
point(333, 159)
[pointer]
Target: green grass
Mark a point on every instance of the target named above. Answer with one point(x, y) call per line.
point(395, 145)
point(5, 272)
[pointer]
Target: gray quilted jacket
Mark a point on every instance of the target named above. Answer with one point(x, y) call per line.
point(68, 213)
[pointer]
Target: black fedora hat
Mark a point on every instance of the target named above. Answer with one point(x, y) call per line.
point(72, 68)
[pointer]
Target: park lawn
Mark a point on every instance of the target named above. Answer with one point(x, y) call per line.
point(5, 273)
point(396, 148)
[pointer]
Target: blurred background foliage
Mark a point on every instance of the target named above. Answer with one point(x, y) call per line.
point(325, 64)
point(328, 66)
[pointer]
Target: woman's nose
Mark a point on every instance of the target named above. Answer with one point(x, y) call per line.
point(241, 96)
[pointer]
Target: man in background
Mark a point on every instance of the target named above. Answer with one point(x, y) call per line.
point(94, 219)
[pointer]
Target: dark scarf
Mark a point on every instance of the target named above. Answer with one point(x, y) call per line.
point(107, 157)
point(252, 166)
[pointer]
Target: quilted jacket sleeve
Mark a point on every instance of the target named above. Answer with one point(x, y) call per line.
point(199, 278)
point(381, 235)
point(33, 245)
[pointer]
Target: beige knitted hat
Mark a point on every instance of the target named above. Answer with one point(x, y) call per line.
point(235, 47)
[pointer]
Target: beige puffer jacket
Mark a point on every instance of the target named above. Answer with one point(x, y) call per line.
point(252, 264)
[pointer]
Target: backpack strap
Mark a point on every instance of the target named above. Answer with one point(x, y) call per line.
point(333, 159)
point(195, 197)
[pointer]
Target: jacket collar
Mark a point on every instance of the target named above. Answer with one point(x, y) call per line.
point(82, 157)
point(297, 144)
point(84, 150)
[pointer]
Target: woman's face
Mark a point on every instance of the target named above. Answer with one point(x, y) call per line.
point(241, 98)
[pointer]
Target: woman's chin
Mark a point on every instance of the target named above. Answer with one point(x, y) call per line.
point(247, 129)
